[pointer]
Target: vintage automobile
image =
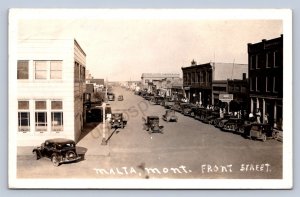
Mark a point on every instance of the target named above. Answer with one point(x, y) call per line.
point(148, 96)
point(117, 120)
point(168, 102)
point(262, 132)
point(111, 96)
point(233, 124)
point(120, 98)
point(219, 122)
point(156, 100)
point(177, 106)
point(187, 109)
point(152, 124)
point(210, 116)
point(170, 116)
point(59, 150)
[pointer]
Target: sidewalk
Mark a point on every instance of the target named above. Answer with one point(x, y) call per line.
point(89, 143)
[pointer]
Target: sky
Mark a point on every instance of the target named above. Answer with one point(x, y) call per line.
point(123, 49)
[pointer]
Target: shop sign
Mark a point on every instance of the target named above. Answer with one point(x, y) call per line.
point(225, 97)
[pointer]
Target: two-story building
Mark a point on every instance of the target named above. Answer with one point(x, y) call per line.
point(198, 79)
point(266, 79)
point(50, 76)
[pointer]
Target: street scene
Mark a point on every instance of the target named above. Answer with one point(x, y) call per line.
point(142, 98)
point(187, 148)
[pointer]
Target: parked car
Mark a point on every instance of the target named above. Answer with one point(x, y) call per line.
point(111, 96)
point(187, 109)
point(156, 100)
point(59, 150)
point(176, 106)
point(210, 116)
point(117, 120)
point(168, 103)
point(262, 132)
point(120, 98)
point(170, 116)
point(152, 124)
point(233, 124)
point(219, 122)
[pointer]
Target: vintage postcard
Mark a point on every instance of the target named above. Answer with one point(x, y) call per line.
point(150, 98)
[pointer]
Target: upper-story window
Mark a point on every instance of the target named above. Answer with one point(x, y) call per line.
point(252, 62)
point(278, 60)
point(55, 69)
point(47, 69)
point(22, 72)
point(269, 59)
point(40, 69)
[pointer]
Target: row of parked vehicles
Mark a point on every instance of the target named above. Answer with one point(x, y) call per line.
point(247, 128)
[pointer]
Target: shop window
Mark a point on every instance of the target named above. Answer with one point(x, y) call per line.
point(56, 116)
point(40, 116)
point(22, 70)
point(23, 116)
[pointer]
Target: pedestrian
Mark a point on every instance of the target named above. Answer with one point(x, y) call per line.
point(221, 113)
point(251, 117)
point(266, 118)
point(258, 115)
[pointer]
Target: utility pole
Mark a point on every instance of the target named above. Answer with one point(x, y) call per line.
point(104, 142)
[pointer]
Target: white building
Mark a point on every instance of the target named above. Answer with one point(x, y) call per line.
point(50, 90)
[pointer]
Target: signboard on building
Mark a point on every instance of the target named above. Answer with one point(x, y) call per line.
point(225, 97)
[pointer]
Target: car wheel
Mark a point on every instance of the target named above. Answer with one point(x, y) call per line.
point(241, 130)
point(54, 160)
point(275, 135)
point(264, 137)
point(70, 155)
point(221, 124)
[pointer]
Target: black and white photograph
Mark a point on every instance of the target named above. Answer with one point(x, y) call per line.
point(150, 98)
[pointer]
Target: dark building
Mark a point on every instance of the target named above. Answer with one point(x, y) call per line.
point(198, 79)
point(266, 79)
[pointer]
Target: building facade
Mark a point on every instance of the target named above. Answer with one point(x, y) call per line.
point(157, 82)
point(266, 79)
point(238, 88)
point(50, 90)
point(198, 79)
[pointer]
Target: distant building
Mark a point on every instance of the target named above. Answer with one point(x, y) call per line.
point(50, 90)
point(198, 79)
point(266, 79)
point(157, 82)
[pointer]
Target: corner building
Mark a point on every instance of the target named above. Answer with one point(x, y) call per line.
point(50, 90)
point(266, 79)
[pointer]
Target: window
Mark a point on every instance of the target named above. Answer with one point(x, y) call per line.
point(55, 69)
point(76, 72)
point(23, 116)
point(40, 116)
point(275, 84)
point(252, 62)
point(278, 59)
point(82, 73)
point(268, 84)
point(259, 61)
point(269, 59)
point(22, 72)
point(40, 69)
point(56, 116)
point(258, 84)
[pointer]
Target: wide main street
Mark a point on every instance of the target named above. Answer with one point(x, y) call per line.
point(186, 149)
